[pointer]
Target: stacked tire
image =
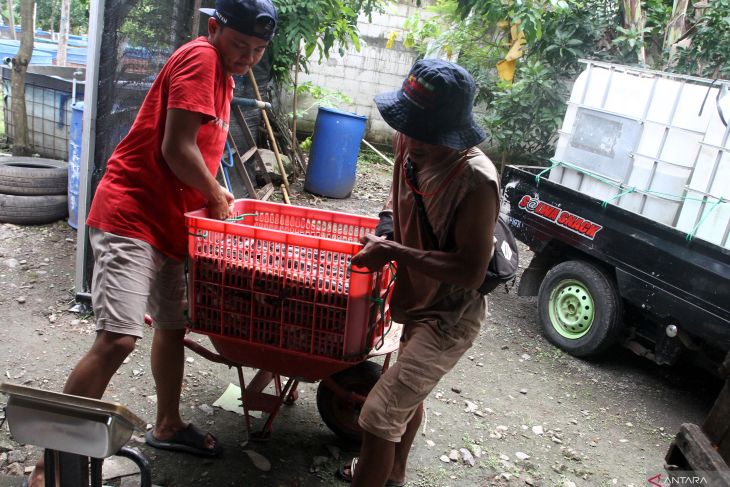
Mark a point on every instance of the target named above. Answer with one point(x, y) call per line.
point(33, 190)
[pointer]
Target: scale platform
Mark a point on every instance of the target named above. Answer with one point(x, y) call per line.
point(63, 422)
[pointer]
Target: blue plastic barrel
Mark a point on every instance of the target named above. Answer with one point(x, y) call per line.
point(74, 162)
point(333, 156)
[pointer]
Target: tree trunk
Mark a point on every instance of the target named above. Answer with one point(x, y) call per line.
point(181, 23)
point(634, 19)
point(11, 19)
point(63, 28)
point(53, 18)
point(675, 28)
point(294, 101)
point(21, 144)
point(196, 18)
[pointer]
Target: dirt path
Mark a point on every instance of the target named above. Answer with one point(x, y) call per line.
point(537, 416)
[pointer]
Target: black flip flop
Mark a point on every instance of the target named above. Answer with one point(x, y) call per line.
point(347, 477)
point(188, 440)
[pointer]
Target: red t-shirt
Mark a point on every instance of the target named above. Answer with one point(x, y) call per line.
point(139, 196)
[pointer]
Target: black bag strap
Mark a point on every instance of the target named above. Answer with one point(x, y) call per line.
point(421, 207)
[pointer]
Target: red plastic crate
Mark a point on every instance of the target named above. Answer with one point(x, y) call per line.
point(279, 277)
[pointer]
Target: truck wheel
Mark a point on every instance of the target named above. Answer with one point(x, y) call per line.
point(580, 308)
point(340, 414)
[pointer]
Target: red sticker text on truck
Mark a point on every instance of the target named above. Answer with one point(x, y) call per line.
point(566, 219)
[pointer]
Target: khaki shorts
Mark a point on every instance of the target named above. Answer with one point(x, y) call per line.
point(425, 357)
point(130, 278)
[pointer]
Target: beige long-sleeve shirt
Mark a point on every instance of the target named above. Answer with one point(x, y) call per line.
point(416, 296)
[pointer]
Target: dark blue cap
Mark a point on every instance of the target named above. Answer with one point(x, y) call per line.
point(434, 105)
point(251, 17)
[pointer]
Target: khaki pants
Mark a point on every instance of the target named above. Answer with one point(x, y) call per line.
point(425, 357)
point(130, 278)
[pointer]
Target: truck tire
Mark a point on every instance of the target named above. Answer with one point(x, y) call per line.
point(32, 210)
point(580, 308)
point(340, 414)
point(33, 176)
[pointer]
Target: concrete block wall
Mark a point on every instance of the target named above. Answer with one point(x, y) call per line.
point(362, 75)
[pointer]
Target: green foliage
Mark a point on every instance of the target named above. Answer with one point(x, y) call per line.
point(368, 157)
point(524, 115)
point(320, 26)
point(629, 42)
point(48, 13)
point(571, 35)
point(419, 31)
point(306, 144)
point(530, 14)
point(658, 13)
point(321, 96)
point(140, 32)
point(708, 54)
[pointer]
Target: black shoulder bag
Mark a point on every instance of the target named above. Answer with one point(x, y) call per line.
point(504, 263)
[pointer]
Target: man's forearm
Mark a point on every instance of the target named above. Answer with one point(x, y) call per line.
point(182, 154)
point(188, 165)
point(449, 267)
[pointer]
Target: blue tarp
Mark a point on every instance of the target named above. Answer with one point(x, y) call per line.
point(75, 55)
point(9, 48)
point(44, 51)
point(74, 41)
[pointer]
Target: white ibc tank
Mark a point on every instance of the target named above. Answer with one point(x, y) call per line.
point(650, 142)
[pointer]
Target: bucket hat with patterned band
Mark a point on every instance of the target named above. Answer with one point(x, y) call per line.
point(434, 105)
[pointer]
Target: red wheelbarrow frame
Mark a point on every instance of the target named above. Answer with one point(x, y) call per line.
point(254, 399)
point(266, 359)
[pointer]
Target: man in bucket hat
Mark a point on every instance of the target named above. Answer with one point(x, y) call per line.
point(165, 166)
point(440, 215)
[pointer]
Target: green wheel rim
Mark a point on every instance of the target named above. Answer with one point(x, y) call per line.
point(571, 309)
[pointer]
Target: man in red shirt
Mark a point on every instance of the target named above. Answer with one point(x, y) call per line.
point(164, 167)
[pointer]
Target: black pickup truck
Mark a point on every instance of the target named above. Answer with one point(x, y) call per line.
point(604, 275)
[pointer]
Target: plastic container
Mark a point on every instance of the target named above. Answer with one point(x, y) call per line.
point(279, 280)
point(74, 162)
point(646, 141)
point(333, 156)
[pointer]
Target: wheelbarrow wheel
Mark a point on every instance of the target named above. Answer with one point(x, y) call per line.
point(340, 413)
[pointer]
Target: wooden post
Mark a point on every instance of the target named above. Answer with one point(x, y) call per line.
point(272, 139)
point(64, 27)
point(21, 144)
point(372, 148)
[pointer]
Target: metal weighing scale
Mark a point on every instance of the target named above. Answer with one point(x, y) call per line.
point(77, 433)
